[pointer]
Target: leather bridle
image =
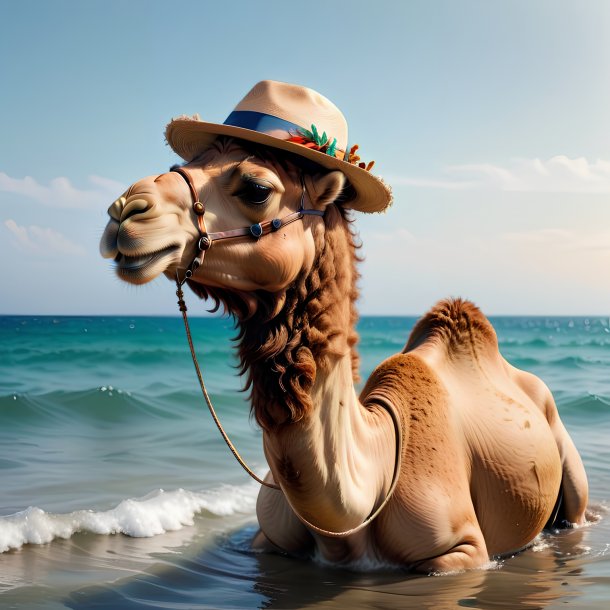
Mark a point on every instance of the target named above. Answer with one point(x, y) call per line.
point(255, 231)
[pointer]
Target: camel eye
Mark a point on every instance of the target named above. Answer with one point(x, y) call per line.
point(254, 193)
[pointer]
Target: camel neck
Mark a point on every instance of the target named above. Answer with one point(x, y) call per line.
point(285, 349)
point(333, 457)
point(335, 465)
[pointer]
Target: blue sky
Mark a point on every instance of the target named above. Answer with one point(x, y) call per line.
point(489, 119)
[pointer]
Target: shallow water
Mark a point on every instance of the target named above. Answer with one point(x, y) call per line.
point(101, 414)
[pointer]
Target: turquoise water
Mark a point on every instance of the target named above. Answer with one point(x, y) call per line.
point(117, 491)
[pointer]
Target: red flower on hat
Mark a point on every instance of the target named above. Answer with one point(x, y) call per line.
point(322, 143)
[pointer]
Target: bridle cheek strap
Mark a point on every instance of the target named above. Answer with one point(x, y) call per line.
point(198, 260)
point(199, 211)
point(255, 231)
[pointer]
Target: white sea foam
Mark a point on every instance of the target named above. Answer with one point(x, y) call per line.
point(158, 512)
point(540, 543)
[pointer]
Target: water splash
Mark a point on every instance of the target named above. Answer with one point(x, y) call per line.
point(158, 512)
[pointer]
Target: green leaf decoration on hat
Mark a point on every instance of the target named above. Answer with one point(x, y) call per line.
point(312, 139)
point(332, 148)
point(314, 136)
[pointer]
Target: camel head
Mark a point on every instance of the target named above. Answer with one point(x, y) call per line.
point(261, 169)
point(153, 228)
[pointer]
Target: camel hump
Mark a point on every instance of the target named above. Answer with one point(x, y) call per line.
point(457, 324)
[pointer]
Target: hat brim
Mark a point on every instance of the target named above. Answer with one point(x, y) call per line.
point(188, 137)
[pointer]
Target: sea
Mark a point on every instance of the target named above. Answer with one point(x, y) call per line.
point(117, 492)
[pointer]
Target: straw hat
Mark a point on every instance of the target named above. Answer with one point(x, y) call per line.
point(291, 118)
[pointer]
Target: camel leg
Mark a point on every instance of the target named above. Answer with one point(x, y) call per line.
point(471, 552)
point(260, 542)
point(574, 483)
point(280, 529)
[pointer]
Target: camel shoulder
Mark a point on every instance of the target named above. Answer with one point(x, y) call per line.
point(458, 327)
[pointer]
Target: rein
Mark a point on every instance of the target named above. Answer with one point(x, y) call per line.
point(256, 231)
point(182, 306)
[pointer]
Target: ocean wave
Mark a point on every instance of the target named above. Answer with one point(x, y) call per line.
point(134, 356)
point(591, 412)
point(591, 404)
point(529, 342)
point(578, 361)
point(157, 513)
point(558, 359)
point(524, 362)
point(108, 404)
point(105, 403)
point(558, 340)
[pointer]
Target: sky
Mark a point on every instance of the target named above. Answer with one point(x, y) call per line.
point(490, 120)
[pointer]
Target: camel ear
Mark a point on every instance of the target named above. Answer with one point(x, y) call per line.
point(325, 188)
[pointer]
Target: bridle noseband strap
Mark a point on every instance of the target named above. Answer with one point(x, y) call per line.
point(255, 231)
point(200, 209)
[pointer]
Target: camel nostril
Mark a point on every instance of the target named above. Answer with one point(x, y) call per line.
point(133, 207)
point(116, 209)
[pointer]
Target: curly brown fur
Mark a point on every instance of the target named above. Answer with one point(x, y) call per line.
point(280, 351)
point(458, 323)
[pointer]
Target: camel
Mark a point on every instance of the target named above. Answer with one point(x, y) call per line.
point(449, 456)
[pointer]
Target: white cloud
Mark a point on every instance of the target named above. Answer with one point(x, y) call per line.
point(400, 234)
point(559, 174)
point(450, 185)
point(42, 239)
point(559, 240)
point(548, 270)
point(60, 193)
point(540, 236)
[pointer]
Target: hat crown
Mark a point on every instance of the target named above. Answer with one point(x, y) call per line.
point(299, 105)
point(294, 119)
